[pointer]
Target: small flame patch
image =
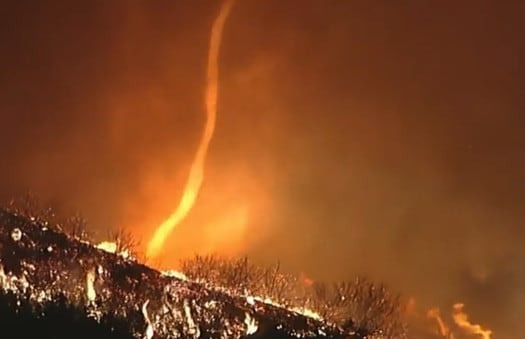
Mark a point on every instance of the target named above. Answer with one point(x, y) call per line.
point(251, 324)
point(90, 286)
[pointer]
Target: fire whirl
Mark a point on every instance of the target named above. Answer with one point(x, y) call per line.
point(458, 327)
point(195, 178)
point(461, 319)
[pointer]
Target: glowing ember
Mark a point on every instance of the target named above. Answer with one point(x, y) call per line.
point(197, 168)
point(461, 319)
point(107, 246)
point(307, 312)
point(251, 324)
point(112, 247)
point(175, 274)
point(193, 329)
point(90, 288)
point(300, 310)
point(16, 234)
point(149, 329)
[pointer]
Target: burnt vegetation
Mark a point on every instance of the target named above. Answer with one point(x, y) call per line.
point(359, 307)
point(31, 207)
point(360, 304)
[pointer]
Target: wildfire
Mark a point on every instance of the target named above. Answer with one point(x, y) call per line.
point(434, 313)
point(149, 330)
point(462, 324)
point(461, 319)
point(197, 168)
point(300, 310)
point(107, 246)
point(251, 324)
point(175, 274)
point(112, 247)
point(90, 288)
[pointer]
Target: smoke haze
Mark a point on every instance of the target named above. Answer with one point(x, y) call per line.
point(378, 138)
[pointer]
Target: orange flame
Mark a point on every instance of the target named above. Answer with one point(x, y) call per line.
point(90, 287)
point(433, 313)
point(195, 178)
point(107, 246)
point(462, 326)
point(461, 319)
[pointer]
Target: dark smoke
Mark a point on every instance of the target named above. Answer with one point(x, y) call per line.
point(379, 138)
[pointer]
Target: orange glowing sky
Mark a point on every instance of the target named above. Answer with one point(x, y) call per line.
point(380, 138)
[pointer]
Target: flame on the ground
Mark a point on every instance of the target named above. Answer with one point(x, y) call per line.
point(149, 329)
point(90, 287)
point(307, 312)
point(461, 326)
point(175, 274)
point(300, 310)
point(251, 324)
point(250, 299)
point(112, 247)
point(195, 178)
point(193, 328)
point(107, 246)
point(461, 319)
point(434, 313)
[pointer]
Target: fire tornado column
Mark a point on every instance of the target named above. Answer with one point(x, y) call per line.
point(195, 177)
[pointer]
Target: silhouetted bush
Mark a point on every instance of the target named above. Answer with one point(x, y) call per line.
point(31, 207)
point(125, 242)
point(351, 304)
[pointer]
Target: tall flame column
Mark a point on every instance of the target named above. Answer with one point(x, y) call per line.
point(196, 174)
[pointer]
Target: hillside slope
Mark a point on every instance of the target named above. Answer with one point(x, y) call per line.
point(55, 286)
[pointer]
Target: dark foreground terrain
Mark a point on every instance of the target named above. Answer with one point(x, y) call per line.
point(55, 286)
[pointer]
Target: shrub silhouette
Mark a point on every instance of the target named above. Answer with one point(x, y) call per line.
point(349, 304)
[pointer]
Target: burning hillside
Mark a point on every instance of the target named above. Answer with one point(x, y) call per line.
point(56, 286)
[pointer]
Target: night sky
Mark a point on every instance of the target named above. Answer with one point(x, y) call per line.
point(381, 138)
